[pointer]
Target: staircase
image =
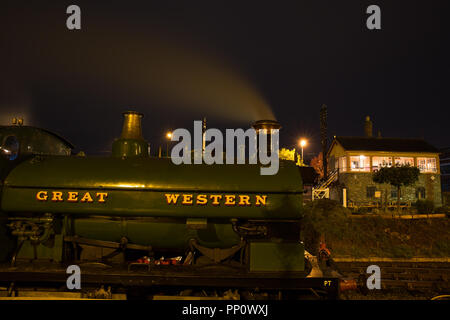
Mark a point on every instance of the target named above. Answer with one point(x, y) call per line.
point(322, 190)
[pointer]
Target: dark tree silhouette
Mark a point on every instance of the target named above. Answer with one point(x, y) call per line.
point(317, 164)
point(397, 176)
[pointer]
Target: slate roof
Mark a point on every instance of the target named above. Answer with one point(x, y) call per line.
point(386, 144)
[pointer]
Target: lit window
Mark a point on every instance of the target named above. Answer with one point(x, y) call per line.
point(379, 162)
point(402, 161)
point(360, 163)
point(427, 164)
point(343, 163)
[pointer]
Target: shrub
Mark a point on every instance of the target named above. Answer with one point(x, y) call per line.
point(362, 210)
point(424, 206)
point(444, 209)
point(325, 217)
point(326, 204)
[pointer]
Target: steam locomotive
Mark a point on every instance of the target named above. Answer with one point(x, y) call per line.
point(73, 209)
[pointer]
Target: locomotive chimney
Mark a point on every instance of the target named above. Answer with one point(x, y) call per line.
point(266, 126)
point(131, 143)
point(368, 127)
point(132, 125)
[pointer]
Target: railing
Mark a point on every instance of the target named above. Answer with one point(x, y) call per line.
point(391, 205)
point(322, 191)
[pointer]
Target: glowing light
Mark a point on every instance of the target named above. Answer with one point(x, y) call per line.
point(130, 185)
point(303, 143)
point(169, 135)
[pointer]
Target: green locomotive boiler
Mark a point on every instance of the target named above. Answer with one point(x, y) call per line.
point(62, 207)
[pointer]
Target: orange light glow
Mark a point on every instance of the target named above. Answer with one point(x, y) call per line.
point(303, 143)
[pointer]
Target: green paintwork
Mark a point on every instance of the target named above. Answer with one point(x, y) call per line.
point(174, 235)
point(151, 174)
point(150, 204)
point(136, 187)
point(277, 256)
point(136, 206)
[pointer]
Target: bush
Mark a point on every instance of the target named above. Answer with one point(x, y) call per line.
point(362, 211)
point(425, 206)
point(444, 209)
point(325, 217)
point(325, 204)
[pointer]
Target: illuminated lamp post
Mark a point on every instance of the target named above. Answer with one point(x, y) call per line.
point(303, 143)
point(169, 138)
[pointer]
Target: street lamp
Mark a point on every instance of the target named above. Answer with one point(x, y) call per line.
point(302, 144)
point(169, 138)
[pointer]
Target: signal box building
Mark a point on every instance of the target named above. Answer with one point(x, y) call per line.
point(353, 160)
point(445, 175)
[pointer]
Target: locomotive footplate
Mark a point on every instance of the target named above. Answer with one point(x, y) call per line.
point(168, 276)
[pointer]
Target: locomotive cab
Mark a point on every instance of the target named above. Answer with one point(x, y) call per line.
point(18, 143)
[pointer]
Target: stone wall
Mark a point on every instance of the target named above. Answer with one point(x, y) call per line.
point(357, 183)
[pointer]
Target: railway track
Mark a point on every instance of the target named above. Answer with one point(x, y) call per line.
point(156, 281)
point(426, 276)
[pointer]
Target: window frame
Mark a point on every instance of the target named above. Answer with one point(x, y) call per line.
point(371, 194)
point(425, 169)
point(365, 163)
point(419, 192)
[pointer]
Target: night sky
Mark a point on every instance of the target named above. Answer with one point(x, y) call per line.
point(232, 61)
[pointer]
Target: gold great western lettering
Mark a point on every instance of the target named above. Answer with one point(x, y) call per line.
point(72, 196)
point(189, 199)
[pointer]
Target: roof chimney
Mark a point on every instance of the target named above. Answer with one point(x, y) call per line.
point(368, 127)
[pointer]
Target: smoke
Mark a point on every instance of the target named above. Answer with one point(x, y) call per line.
point(172, 74)
point(150, 68)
